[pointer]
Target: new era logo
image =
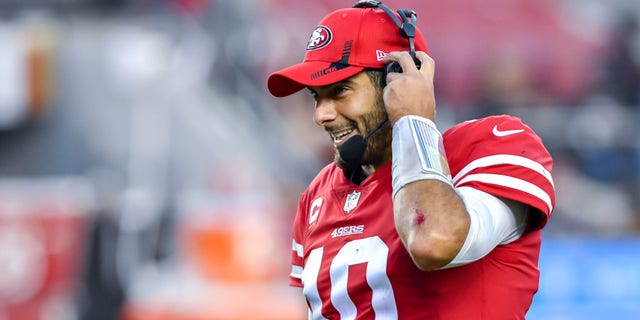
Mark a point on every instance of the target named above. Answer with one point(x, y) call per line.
point(380, 55)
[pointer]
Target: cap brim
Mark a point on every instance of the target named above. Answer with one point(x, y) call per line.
point(310, 73)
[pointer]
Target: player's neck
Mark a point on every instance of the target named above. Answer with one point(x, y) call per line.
point(369, 169)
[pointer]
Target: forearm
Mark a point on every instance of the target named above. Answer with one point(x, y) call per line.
point(432, 222)
point(430, 217)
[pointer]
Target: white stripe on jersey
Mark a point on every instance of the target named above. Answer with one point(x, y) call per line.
point(510, 182)
point(297, 248)
point(504, 159)
point(296, 272)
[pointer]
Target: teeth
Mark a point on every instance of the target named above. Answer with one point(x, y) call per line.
point(340, 134)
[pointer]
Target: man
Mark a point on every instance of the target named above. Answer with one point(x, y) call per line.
point(392, 235)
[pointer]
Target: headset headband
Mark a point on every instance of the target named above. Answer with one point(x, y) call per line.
point(406, 26)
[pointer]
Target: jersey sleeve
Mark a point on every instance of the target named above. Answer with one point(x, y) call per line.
point(502, 156)
point(297, 252)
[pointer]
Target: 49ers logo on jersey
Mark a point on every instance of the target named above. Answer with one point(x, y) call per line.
point(320, 37)
point(348, 230)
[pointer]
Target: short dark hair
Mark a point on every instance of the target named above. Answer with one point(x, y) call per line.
point(375, 75)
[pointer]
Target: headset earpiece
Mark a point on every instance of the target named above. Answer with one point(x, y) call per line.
point(407, 30)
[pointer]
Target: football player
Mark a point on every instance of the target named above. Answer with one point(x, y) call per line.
point(409, 222)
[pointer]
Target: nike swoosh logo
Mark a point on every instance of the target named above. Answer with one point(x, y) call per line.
point(504, 133)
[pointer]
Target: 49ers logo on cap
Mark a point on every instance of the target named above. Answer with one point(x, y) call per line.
point(320, 37)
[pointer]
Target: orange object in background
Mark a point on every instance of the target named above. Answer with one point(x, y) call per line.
point(235, 243)
point(39, 68)
point(26, 71)
point(235, 262)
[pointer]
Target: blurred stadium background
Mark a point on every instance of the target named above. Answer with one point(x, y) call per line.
point(145, 172)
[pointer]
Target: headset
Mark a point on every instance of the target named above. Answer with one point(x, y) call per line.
point(407, 30)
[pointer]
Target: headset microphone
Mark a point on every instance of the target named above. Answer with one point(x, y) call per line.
point(352, 150)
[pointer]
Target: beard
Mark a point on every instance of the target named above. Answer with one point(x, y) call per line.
point(378, 150)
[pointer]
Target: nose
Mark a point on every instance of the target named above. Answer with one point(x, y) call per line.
point(325, 112)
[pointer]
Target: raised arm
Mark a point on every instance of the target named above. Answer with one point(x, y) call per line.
point(430, 217)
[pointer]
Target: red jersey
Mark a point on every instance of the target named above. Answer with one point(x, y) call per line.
point(351, 263)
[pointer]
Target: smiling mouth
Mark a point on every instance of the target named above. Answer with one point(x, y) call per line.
point(340, 136)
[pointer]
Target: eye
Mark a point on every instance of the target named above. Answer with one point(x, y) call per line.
point(339, 90)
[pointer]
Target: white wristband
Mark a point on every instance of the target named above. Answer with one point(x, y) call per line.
point(418, 153)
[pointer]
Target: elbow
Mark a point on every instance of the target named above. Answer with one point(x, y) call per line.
point(433, 253)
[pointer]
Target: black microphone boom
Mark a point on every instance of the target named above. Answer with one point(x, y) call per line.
point(352, 150)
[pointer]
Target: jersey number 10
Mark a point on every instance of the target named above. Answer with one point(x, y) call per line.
point(372, 251)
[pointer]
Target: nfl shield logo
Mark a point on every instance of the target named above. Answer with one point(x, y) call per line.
point(352, 201)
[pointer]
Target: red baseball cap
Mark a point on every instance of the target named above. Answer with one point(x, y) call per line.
point(346, 42)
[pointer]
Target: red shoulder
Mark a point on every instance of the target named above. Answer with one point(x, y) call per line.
point(503, 156)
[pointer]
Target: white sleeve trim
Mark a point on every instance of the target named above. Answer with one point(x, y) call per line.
point(504, 159)
point(297, 248)
point(296, 272)
point(513, 183)
point(493, 223)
